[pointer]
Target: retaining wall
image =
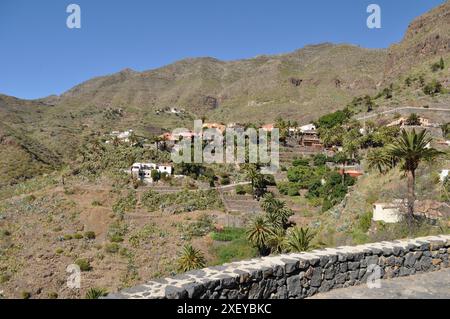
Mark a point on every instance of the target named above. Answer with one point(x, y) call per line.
point(301, 275)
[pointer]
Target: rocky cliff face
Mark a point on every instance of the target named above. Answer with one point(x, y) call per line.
point(427, 38)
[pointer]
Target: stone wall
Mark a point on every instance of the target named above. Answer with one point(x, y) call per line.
point(301, 275)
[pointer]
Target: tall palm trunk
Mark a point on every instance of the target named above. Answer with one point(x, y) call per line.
point(411, 175)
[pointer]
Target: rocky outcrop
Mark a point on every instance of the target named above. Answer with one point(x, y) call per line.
point(427, 37)
point(302, 275)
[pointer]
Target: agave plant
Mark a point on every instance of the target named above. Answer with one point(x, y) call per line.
point(277, 241)
point(300, 239)
point(96, 293)
point(190, 259)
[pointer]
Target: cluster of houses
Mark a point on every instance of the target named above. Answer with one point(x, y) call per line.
point(308, 135)
point(403, 122)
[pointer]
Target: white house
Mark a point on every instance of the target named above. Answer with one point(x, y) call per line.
point(387, 212)
point(144, 170)
point(308, 127)
point(443, 175)
point(122, 136)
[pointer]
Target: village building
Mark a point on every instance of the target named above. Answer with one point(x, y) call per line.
point(123, 137)
point(355, 173)
point(443, 175)
point(143, 171)
point(403, 121)
point(311, 138)
point(268, 127)
point(308, 128)
point(394, 211)
point(387, 212)
point(218, 126)
point(235, 126)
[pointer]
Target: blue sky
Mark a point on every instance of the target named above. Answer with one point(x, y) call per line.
point(40, 56)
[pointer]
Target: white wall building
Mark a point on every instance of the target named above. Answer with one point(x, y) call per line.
point(387, 212)
point(144, 170)
point(443, 175)
point(308, 127)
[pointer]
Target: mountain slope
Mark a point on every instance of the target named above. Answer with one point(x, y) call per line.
point(427, 38)
point(320, 77)
point(301, 86)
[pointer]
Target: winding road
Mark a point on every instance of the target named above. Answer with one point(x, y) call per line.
point(402, 109)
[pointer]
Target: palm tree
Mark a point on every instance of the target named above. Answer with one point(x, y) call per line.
point(190, 259)
point(379, 158)
point(96, 293)
point(445, 128)
point(258, 234)
point(342, 158)
point(276, 210)
point(300, 239)
point(256, 179)
point(269, 202)
point(410, 149)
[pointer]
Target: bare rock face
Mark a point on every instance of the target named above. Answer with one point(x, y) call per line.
point(295, 81)
point(427, 38)
point(210, 102)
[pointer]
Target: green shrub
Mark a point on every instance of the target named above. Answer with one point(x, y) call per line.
point(25, 294)
point(240, 190)
point(4, 278)
point(112, 248)
point(320, 159)
point(116, 238)
point(96, 203)
point(84, 264)
point(184, 201)
point(438, 65)
point(77, 236)
point(68, 237)
point(293, 190)
point(433, 88)
point(238, 249)
point(365, 221)
point(300, 162)
point(125, 204)
point(59, 251)
point(228, 234)
point(116, 232)
point(283, 187)
point(89, 235)
point(225, 181)
point(198, 228)
point(96, 293)
point(156, 175)
point(334, 119)
point(269, 180)
point(248, 189)
point(52, 295)
point(4, 233)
